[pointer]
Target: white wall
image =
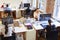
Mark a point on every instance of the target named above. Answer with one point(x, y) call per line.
point(13, 3)
point(56, 13)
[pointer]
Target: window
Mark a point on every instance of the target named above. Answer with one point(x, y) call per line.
point(42, 5)
point(34, 3)
point(56, 13)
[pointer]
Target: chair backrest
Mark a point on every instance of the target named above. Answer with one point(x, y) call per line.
point(52, 35)
point(9, 20)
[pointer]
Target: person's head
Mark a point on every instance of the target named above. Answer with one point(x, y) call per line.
point(49, 21)
point(37, 10)
point(7, 5)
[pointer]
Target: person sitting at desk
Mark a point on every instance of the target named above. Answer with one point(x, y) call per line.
point(7, 9)
point(51, 32)
point(37, 13)
point(8, 33)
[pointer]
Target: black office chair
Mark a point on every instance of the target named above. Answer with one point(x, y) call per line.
point(27, 12)
point(53, 35)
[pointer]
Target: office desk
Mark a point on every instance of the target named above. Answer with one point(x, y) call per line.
point(16, 13)
point(38, 27)
point(57, 24)
point(21, 30)
point(28, 34)
point(13, 13)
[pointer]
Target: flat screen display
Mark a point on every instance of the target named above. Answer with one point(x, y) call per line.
point(44, 17)
point(26, 4)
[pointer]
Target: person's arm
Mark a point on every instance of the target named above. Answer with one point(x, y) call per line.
point(35, 16)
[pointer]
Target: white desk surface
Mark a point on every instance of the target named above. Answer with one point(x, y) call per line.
point(1, 9)
point(37, 27)
point(18, 9)
point(16, 20)
point(20, 29)
point(55, 22)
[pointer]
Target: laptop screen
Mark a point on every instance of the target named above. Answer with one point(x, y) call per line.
point(44, 17)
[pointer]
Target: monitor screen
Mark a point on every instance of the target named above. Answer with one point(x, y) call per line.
point(44, 17)
point(8, 20)
point(26, 4)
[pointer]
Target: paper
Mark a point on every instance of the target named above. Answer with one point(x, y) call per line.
point(37, 27)
point(19, 29)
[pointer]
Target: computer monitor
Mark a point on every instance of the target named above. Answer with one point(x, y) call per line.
point(26, 4)
point(9, 20)
point(44, 17)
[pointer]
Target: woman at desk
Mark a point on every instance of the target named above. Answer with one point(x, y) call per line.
point(8, 33)
point(37, 13)
point(51, 32)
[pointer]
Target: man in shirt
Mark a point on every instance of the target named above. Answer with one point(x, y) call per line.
point(7, 10)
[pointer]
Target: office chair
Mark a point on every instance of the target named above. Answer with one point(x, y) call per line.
point(52, 35)
point(28, 12)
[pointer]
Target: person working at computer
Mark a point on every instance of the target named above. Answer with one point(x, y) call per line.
point(51, 32)
point(8, 34)
point(7, 10)
point(37, 13)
